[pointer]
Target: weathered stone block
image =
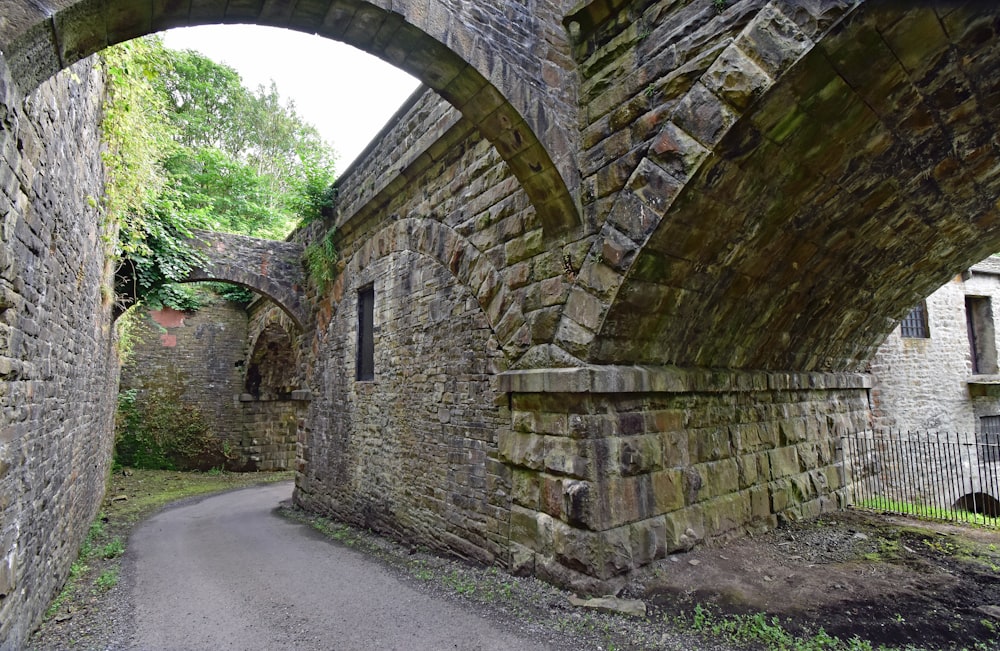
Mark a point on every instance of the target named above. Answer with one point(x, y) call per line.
point(527, 450)
point(570, 457)
point(524, 488)
point(639, 455)
point(684, 528)
point(718, 478)
point(668, 490)
point(709, 444)
point(526, 529)
point(736, 78)
point(783, 462)
point(726, 513)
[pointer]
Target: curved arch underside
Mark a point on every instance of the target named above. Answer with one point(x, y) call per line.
point(272, 269)
point(492, 62)
point(858, 183)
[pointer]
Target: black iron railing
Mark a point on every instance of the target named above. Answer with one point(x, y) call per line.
point(926, 474)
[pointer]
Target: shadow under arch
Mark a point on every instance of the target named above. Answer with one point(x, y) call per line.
point(492, 80)
point(850, 184)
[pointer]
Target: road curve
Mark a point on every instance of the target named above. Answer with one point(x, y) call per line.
point(226, 572)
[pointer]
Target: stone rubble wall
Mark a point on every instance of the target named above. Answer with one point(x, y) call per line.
point(200, 355)
point(414, 452)
point(204, 355)
point(269, 433)
point(58, 366)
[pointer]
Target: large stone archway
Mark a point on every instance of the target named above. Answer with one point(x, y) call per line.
point(793, 208)
point(505, 67)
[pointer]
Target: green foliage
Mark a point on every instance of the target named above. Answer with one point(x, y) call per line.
point(760, 631)
point(321, 260)
point(107, 579)
point(154, 430)
point(882, 503)
point(125, 329)
point(231, 293)
point(189, 147)
point(113, 549)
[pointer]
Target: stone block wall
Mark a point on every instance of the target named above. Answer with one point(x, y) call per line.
point(269, 432)
point(614, 467)
point(205, 356)
point(412, 452)
point(58, 366)
point(201, 355)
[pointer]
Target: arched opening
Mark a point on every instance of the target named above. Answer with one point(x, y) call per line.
point(849, 189)
point(981, 503)
point(490, 78)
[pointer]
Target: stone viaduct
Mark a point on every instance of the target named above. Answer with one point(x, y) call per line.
point(606, 288)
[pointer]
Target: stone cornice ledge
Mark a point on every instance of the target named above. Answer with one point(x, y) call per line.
point(666, 379)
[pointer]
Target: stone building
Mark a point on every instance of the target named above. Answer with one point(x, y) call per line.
point(937, 370)
point(935, 401)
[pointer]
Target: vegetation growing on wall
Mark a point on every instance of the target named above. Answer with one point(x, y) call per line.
point(159, 432)
point(189, 147)
point(321, 259)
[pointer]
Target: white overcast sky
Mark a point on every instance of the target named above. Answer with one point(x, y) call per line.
point(345, 93)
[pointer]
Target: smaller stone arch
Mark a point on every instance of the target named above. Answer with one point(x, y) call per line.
point(271, 369)
point(272, 269)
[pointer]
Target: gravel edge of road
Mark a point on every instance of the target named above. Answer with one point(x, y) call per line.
point(525, 605)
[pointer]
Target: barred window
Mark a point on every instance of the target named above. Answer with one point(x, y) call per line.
point(914, 325)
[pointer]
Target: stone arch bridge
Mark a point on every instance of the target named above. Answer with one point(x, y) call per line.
point(617, 271)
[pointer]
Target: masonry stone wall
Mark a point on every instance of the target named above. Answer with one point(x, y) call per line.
point(238, 371)
point(58, 367)
point(615, 467)
point(928, 384)
point(275, 397)
point(412, 452)
point(199, 356)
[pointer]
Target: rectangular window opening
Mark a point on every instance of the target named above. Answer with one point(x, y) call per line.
point(366, 334)
point(989, 439)
point(914, 325)
point(982, 338)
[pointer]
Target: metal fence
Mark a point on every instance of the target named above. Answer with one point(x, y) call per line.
point(927, 474)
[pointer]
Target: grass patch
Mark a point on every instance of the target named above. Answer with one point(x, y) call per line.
point(880, 503)
point(760, 631)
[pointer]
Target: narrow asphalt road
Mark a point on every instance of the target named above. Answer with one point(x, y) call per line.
point(228, 573)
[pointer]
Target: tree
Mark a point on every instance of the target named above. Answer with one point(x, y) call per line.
point(190, 147)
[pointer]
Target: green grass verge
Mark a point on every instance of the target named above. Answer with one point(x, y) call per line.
point(880, 503)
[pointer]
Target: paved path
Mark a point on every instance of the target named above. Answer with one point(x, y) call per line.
point(228, 573)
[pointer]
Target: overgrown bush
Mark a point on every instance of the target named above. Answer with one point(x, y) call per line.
point(155, 430)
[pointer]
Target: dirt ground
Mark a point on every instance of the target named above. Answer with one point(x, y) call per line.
point(886, 579)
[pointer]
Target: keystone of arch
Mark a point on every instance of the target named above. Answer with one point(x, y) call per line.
point(496, 83)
